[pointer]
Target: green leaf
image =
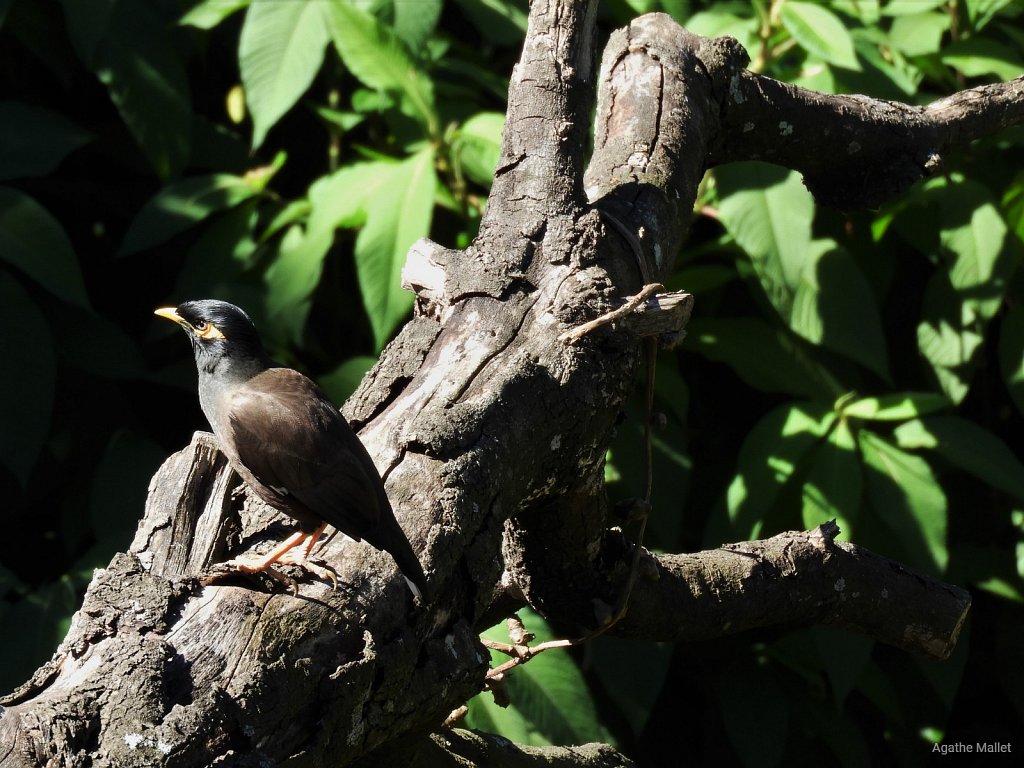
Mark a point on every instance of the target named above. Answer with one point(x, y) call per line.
point(962, 297)
point(33, 140)
point(292, 278)
point(919, 34)
point(119, 488)
point(770, 455)
point(87, 25)
point(949, 349)
point(34, 242)
point(896, 407)
point(765, 357)
point(375, 54)
point(346, 121)
point(342, 199)
point(632, 672)
point(910, 7)
point(182, 205)
point(126, 43)
point(830, 284)
point(209, 13)
point(906, 496)
point(499, 21)
point(883, 65)
point(414, 22)
point(769, 213)
point(94, 344)
point(832, 487)
point(280, 50)
point(867, 11)
point(26, 392)
point(396, 217)
point(976, 57)
point(968, 446)
point(43, 618)
point(477, 145)
point(340, 383)
point(550, 703)
point(819, 32)
point(753, 724)
point(1011, 354)
point(218, 260)
point(721, 19)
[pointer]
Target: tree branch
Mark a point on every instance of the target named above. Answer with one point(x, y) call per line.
point(853, 151)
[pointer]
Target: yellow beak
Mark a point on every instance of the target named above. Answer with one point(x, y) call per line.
point(170, 313)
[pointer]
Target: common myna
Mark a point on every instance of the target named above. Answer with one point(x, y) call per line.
point(288, 441)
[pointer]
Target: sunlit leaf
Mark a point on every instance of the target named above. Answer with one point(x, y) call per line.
point(182, 205)
point(896, 407)
point(209, 13)
point(292, 278)
point(340, 383)
point(832, 486)
point(769, 212)
point(377, 56)
point(415, 21)
point(550, 703)
point(906, 496)
point(976, 57)
point(919, 34)
point(968, 446)
point(478, 146)
point(820, 32)
point(768, 458)
point(396, 218)
point(962, 297)
point(910, 7)
point(279, 53)
point(830, 284)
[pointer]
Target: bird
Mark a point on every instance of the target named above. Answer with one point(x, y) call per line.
point(288, 442)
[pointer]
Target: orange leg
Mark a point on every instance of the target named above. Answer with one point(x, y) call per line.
point(281, 554)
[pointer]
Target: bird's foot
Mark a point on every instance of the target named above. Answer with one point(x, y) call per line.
point(326, 574)
point(221, 571)
point(257, 566)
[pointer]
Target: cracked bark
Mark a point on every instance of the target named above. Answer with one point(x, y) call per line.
point(491, 432)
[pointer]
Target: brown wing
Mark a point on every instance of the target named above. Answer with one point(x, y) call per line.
point(292, 439)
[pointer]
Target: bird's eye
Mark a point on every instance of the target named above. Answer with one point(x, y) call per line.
point(207, 331)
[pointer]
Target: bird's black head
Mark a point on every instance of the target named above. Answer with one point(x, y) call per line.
point(218, 331)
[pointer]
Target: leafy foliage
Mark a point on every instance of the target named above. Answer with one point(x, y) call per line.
point(865, 367)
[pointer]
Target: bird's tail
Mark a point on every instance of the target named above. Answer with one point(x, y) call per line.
point(393, 541)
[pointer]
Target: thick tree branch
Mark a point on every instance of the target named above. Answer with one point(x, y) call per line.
point(853, 151)
point(458, 748)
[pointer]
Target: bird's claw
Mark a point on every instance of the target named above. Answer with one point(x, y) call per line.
point(325, 574)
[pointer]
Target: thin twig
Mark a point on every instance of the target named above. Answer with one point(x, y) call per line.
point(575, 334)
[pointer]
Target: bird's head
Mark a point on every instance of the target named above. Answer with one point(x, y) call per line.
point(217, 330)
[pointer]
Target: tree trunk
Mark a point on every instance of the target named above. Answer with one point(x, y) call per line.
point(490, 429)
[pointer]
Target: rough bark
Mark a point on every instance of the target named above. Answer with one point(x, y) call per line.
point(490, 431)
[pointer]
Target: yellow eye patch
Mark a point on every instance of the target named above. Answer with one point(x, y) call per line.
point(208, 331)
